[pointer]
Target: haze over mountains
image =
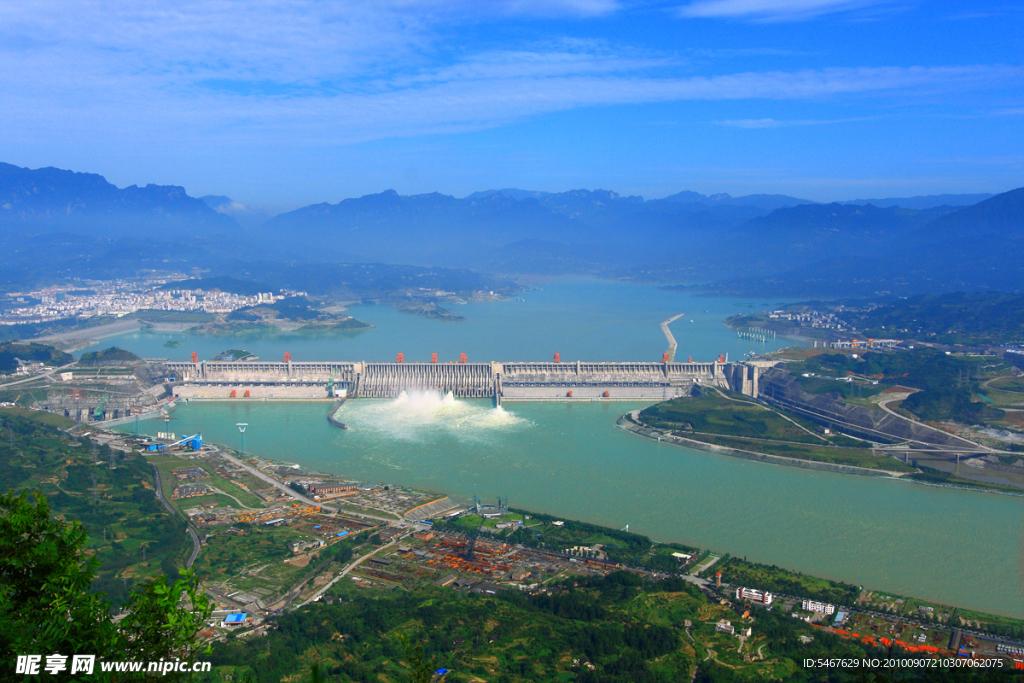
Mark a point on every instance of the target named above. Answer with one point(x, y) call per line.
point(61, 223)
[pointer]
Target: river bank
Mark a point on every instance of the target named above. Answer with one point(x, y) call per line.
point(570, 460)
point(630, 422)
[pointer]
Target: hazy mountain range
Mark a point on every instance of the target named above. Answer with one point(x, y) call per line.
point(60, 223)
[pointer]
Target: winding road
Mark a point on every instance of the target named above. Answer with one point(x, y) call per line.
point(174, 513)
point(884, 405)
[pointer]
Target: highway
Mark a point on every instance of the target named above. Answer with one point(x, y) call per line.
point(188, 526)
point(884, 405)
point(344, 572)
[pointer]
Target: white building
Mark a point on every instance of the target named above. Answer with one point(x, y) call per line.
point(814, 606)
point(754, 595)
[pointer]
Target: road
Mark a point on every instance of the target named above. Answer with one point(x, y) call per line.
point(344, 572)
point(174, 513)
point(274, 482)
point(46, 374)
point(884, 405)
point(240, 503)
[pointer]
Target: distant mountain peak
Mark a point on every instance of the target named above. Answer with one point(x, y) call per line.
point(927, 201)
point(53, 198)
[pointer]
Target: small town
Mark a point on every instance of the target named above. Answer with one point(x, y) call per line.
point(118, 298)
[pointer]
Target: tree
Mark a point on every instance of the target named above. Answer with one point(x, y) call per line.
point(421, 669)
point(47, 605)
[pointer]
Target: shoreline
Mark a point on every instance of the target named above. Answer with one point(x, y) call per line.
point(584, 519)
point(628, 425)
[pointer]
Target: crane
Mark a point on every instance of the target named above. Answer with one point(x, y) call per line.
point(98, 413)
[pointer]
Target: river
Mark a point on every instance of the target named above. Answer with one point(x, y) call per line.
point(579, 319)
point(943, 545)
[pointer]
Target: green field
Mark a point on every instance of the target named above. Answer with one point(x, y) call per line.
point(1004, 626)
point(733, 416)
point(1014, 384)
point(737, 423)
point(38, 417)
point(232, 554)
point(856, 457)
point(738, 572)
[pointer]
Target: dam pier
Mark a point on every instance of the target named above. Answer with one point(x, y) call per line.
point(500, 381)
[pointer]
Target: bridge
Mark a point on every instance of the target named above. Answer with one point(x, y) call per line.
point(501, 381)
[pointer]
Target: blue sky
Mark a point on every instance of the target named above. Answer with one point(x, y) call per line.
point(282, 103)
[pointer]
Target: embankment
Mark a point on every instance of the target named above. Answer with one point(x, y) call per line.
point(330, 414)
point(626, 423)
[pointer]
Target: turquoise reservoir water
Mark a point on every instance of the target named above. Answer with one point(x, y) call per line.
point(949, 546)
point(580, 319)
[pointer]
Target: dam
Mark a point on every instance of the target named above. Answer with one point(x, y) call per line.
point(500, 381)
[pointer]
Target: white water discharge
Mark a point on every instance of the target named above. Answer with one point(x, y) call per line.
point(423, 415)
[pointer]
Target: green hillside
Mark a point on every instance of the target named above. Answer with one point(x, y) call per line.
point(111, 356)
point(11, 352)
point(114, 502)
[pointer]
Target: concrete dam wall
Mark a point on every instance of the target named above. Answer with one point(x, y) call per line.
point(501, 381)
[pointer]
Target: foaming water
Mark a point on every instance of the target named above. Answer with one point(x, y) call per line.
point(420, 416)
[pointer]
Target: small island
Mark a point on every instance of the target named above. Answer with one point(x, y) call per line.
point(234, 354)
point(172, 344)
point(430, 310)
point(342, 323)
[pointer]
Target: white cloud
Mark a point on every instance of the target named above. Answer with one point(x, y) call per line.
point(493, 95)
point(558, 7)
point(302, 72)
point(775, 123)
point(770, 10)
